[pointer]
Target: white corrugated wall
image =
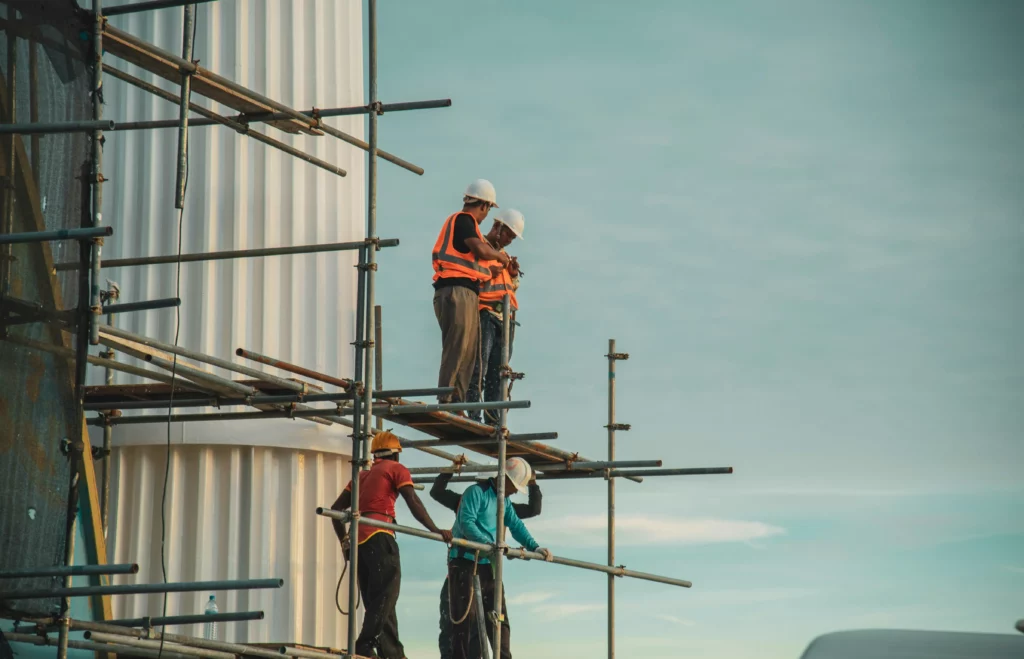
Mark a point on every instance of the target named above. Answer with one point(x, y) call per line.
point(234, 512)
point(241, 496)
point(243, 194)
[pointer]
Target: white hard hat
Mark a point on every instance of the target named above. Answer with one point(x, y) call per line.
point(520, 472)
point(513, 219)
point(483, 190)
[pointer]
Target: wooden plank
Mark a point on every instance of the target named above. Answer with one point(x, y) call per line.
point(92, 529)
point(115, 43)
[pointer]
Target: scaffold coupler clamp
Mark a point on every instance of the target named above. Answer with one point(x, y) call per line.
point(318, 122)
point(507, 371)
point(376, 107)
point(618, 426)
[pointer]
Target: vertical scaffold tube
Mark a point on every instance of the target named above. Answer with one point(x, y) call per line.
point(97, 170)
point(499, 590)
point(611, 498)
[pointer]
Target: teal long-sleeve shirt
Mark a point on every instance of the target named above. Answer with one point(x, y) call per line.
point(477, 520)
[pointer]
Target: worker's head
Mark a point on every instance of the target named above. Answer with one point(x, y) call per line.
point(479, 199)
point(518, 473)
point(508, 225)
point(385, 446)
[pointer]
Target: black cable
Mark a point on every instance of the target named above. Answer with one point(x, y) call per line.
point(337, 591)
point(174, 372)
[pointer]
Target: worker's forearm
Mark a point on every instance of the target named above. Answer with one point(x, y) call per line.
point(423, 517)
point(340, 529)
point(341, 504)
point(482, 250)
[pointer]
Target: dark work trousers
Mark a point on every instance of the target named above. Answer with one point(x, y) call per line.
point(380, 579)
point(491, 335)
point(460, 577)
point(456, 310)
point(444, 640)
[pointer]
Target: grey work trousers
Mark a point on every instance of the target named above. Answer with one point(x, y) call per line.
point(456, 309)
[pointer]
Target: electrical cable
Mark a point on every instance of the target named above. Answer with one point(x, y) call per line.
point(174, 372)
point(337, 591)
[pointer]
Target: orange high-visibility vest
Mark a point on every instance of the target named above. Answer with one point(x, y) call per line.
point(493, 291)
point(449, 262)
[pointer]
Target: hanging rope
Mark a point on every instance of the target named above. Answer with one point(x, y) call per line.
point(469, 607)
point(337, 591)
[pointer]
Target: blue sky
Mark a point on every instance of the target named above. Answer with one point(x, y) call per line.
point(805, 223)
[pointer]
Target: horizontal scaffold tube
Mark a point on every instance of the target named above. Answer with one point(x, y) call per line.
point(117, 10)
point(420, 408)
point(310, 654)
point(32, 639)
point(63, 127)
point(293, 368)
point(64, 570)
point(148, 305)
point(470, 441)
point(106, 363)
point(197, 618)
point(201, 357)
point(87, 233)
point(231, 254)
point(545, 468)
point(181, 639)
point(558, 472)
point(509, 552)
point(149, 644)
point(210, 401)
point(140, 588)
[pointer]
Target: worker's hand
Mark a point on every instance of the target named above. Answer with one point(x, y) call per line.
point(346, 544)
point(447, 535)
point(504, 259)
point(513, 267)
point(546, 553)
point(495, 270)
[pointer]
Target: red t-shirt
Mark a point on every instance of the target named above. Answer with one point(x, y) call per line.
point(378, 489)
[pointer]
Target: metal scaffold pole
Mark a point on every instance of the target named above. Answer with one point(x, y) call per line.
point(97, 170)
point(612, 427)
point(499, 590)
point(364, 362)
point(113, 293)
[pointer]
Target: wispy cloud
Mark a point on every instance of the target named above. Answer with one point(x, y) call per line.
point(675, 620)
point(588, 530)
point(531, 597)
point(556, 611)
point(733, 597)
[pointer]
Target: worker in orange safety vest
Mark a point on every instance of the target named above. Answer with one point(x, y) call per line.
point(463, 262)
point(508, 225)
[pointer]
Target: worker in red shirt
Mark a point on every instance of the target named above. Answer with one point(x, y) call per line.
point(380, 566)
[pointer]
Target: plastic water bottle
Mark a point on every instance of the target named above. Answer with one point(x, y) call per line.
point(210, 628)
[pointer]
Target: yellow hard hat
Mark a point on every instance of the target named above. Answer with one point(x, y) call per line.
point(385, 443)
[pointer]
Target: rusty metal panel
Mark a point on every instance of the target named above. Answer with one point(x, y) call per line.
point(38, 409)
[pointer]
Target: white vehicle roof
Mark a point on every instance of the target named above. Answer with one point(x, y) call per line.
point(906, 644)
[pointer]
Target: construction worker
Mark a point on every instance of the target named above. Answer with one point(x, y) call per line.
point(508, 225)
point(380, 566)
point(449, 499)
point(477, 521)
point(461, 267)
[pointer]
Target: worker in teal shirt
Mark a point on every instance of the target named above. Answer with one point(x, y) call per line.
point(477, 520)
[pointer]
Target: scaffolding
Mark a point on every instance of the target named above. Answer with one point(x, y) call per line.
point(354, 402)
